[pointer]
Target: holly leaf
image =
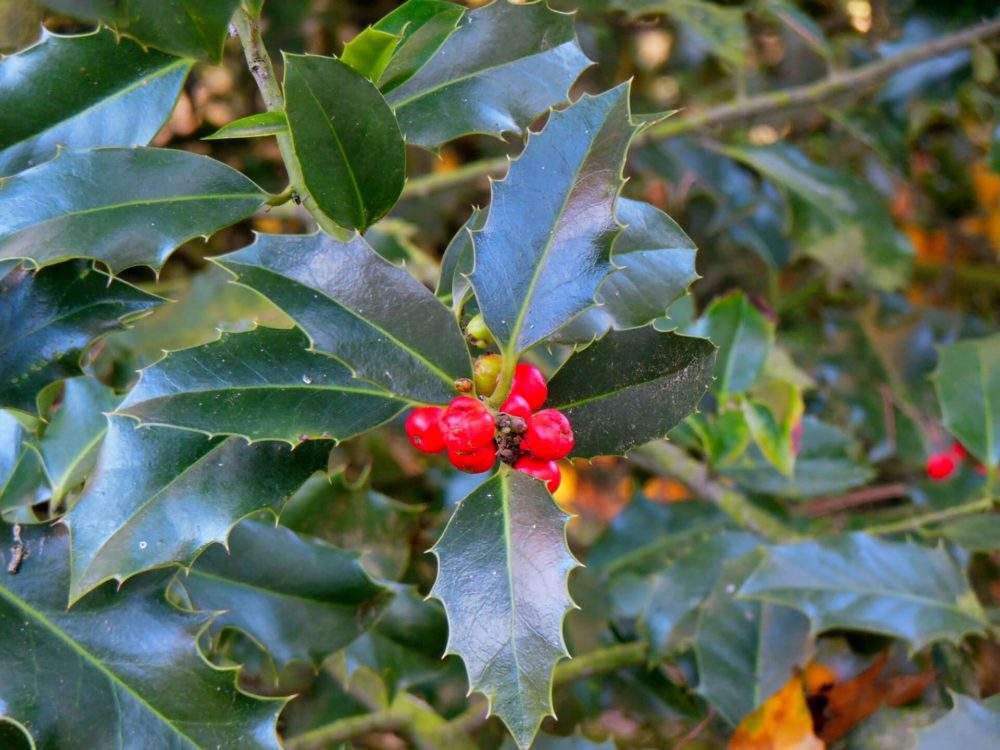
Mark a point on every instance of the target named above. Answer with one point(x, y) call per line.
point(630, 387)
point(859, 582)
point(262, 385)
point(353, 166)
point(970, 723)
point(74, 433)
point(843, 221)
point(370, 51)
point(456, 263)
point(505, 65)
point(22, 476)
point(373, 316)
point(132, 659)
point(49, 317)
point(560, 194)
point(967, 380)
point(746, 650)
point(252, 126)
point(502, 570)
point(654, 262)
point(298, 597)
point(83, 92)
point(177, 26)
point(554, 742)
point(122, 206)
point(159, 496)
point(744, 336)
point(423, 25)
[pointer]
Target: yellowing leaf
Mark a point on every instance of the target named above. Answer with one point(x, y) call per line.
point(783, 722)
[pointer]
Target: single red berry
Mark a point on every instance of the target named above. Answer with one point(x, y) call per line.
point(467, 424)
point(959, 452)
point(423, 427)
point(549, 435)
point(476, 461)
point(940, 466)
point(530, 383)
point(517, 406)
point(539, 468)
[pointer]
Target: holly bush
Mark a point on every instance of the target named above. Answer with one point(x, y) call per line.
point(268, 336)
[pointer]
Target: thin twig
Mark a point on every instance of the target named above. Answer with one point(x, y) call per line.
point(851, 83)
point(603, 660)
point(691, 736)
point(344, 729)
point(825, 505)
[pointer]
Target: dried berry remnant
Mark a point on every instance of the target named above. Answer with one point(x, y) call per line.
point(463, 385)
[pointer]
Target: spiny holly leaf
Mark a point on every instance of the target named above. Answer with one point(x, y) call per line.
point(655, 266)
point(159, 496)
point(49, 317)
point(860, 582)
point(744, 336)
point(22, 476)
point(631, 387)
point(456, 263)
point(83, 92)
point(298, 597)
point(179, 26)
point(502, 569)
point(355, 305)
point(262, 385)
point(120, 669)
point(746, 650)
point(970, 723)
point(424, 26)
point(353, 165)
point(967, 380)
point(504, 66)
point(73, 434)
point(560, 195)
point(122, 206)
point(554, 742)
point(844, 223)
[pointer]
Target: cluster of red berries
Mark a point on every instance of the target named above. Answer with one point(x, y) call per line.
point(943, 464)
point(531, 441)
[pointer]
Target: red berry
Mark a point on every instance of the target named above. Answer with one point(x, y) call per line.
point(539, 468)
point(530, 383)
point(959, 452)
point(549, 435)
point(467, 424)
point(423, 427)
point(517, 406)
point(474, 462)
point(940, 466)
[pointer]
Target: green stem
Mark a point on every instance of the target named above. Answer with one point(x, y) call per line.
point(279, 199)
point(344, 729)
point(666, 458)
point(603, 660)
point(248, 26)
point(851, 83)
point(916, 522)
point(508, 363)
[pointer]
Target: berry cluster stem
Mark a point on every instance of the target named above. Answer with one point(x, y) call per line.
point(505, 380)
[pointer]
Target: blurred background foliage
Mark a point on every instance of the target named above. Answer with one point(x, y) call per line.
point(841, 243)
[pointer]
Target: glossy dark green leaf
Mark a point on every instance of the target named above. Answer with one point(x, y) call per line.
point(980, 533)
point(74, 433)
point(355, 305)
point(655, 266)
point(721, 29)
point(746, 650)
point(262, 385)
point(119, 669)
point(967, 380)
point(354, 517)
point(83, 92)
point(560, 196)
point(504, 66)
point(122, 206)
point(744, 336)
point(49, 317)
point(424, 26)
point(970, 723)
point(844, 223)
point(456, 263)
point(859, 582)
point(346, 140)
point(296, 596)
point(252, 126)
point(502, 569)
point(370, 51)
point(179, 26)
point(159, 496)
point(631, 387)
point(674, 592)
point(22, 476)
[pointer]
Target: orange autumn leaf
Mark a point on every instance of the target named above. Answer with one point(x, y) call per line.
point(664, 490)
point(783, 722)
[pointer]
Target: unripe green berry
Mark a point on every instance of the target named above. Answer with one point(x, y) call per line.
point(478, 333)
point(486, 370)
